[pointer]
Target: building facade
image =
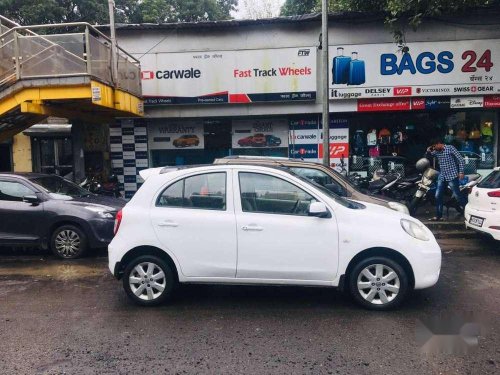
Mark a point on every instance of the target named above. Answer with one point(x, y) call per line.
point(254, 88)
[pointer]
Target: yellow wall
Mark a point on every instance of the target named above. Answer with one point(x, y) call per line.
point(21, 153)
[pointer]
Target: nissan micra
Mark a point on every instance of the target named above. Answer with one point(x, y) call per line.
point(249, 224)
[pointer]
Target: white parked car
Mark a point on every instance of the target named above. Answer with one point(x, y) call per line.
point(246, 224)
point(482, 213)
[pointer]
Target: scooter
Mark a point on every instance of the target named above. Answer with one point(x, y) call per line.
point(427, 182)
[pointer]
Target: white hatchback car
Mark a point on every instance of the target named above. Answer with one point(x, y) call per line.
point(482, 213)
point(245, 224)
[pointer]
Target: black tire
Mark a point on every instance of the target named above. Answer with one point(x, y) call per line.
point(376, 303)
point(64, 240)
point(168, 281)
point(414, 205)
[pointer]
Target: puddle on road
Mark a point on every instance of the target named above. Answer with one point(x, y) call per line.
point(55, 269)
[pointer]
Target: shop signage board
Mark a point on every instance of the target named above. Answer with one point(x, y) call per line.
point(176, 135)
point(467, 102)
point(260, 133)
point(217, 77)
point(448, 68)
point(306, 141)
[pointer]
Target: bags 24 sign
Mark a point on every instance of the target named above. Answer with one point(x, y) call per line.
point(428, 69)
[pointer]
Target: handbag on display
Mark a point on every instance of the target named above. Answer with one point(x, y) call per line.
point(374, 152)
point(461, 134)
point(475, 133)
point(384, 136)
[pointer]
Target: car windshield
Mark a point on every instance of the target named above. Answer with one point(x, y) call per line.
point(492, 181)
point(58, 185)
point(340, 200)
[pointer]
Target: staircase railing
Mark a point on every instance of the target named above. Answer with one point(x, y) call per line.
point(86, 51)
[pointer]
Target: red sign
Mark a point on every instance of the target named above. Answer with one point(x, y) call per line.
point(337, 150)
point(402, 91)
point(492, 101)
point(417, 103)
point(377, 105)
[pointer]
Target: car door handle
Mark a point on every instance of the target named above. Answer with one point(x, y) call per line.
point(168, 223)
point(254, 228)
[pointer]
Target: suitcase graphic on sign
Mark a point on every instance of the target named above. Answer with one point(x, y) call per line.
point(356, 71)
point(340, 68)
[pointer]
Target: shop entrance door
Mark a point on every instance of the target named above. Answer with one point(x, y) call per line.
point(217, 140)
point(5, 162)
point(56, 156)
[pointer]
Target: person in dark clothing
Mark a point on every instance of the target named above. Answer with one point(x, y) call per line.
point(451, 165)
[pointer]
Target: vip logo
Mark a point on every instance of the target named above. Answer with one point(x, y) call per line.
point(147, 74)
point(304, 52)
point(402, 91)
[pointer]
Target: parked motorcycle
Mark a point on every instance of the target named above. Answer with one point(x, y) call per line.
point(111, 188)
point(392, 185)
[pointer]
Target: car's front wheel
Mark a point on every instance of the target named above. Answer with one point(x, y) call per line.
point(68, 242)
point(148, 280)
point(378, 283)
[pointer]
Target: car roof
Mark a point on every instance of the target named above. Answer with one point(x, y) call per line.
point(275, 160)
point(26, 175)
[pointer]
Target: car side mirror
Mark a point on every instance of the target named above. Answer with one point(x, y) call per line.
point(318, 209)
point(32, 199)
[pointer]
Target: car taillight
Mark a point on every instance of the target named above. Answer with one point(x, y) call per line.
point(494, 194)
point(118, 220)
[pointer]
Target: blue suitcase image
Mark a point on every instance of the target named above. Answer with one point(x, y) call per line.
point(356, 71)
point(340, 68)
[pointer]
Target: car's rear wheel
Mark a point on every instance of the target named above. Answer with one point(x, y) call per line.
point(378, 283)
point(68, 242)
point(148, 280)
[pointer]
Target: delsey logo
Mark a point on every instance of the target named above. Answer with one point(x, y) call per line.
point(304, 52)
point(402, 91)
point(171, 74)
point(147, 74)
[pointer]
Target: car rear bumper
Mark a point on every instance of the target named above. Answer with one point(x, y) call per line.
point(491, 218)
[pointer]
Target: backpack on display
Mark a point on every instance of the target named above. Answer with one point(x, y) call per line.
point(468, 146)
point(359, 142)
point(371, 138)
point(475, 133)
point(384, 136)
point(374, 152)
point(340, 68)
point(356, 71)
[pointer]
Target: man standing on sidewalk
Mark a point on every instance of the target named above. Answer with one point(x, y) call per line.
point(451, 165)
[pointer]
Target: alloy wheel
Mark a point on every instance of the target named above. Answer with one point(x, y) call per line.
point(147, 281)
point(67, 243)
point(378, 284)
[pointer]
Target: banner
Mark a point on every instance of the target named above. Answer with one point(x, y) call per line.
point(176, 135)
point(244, 76)
point(451, 68)
point(259, 133)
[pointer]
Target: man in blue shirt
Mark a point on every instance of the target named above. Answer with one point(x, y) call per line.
point(451, 165)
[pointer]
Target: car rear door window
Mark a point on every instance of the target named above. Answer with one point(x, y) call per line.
point(205, 191)
point(13, 191)
point(268, 194)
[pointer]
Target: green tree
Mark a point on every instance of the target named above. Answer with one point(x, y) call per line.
point(297, 7)
point(31, 12)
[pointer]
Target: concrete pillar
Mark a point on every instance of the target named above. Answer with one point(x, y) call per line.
point(21, 153)
point(77, 137)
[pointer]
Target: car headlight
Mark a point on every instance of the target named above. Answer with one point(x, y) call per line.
point(102, 213)
point(415, 230)
point(399, 207)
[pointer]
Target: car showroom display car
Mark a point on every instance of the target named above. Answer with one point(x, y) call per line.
point(250, 224)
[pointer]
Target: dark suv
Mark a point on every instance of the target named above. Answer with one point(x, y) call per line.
point(320, 174)
point(51, 212)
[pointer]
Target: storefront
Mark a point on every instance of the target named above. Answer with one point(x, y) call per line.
point(252, 88)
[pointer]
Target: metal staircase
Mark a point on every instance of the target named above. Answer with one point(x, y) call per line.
point(63, 70)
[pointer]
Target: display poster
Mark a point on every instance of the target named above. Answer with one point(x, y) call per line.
point(447, 68)
point(176, 134)
point(260, 133)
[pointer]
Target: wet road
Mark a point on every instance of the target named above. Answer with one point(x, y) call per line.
point(73, 317)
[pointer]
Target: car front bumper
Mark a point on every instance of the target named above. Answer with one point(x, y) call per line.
point(491, 218)
point(426, 263)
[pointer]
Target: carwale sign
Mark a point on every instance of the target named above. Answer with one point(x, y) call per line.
point(218, 77)
point(451, 68)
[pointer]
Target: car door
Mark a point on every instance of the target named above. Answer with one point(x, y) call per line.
point(19, 221)
point(276, 237)
point(194, 219)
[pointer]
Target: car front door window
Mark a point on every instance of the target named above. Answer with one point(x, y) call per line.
point(267, 194)
point(322, 179)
